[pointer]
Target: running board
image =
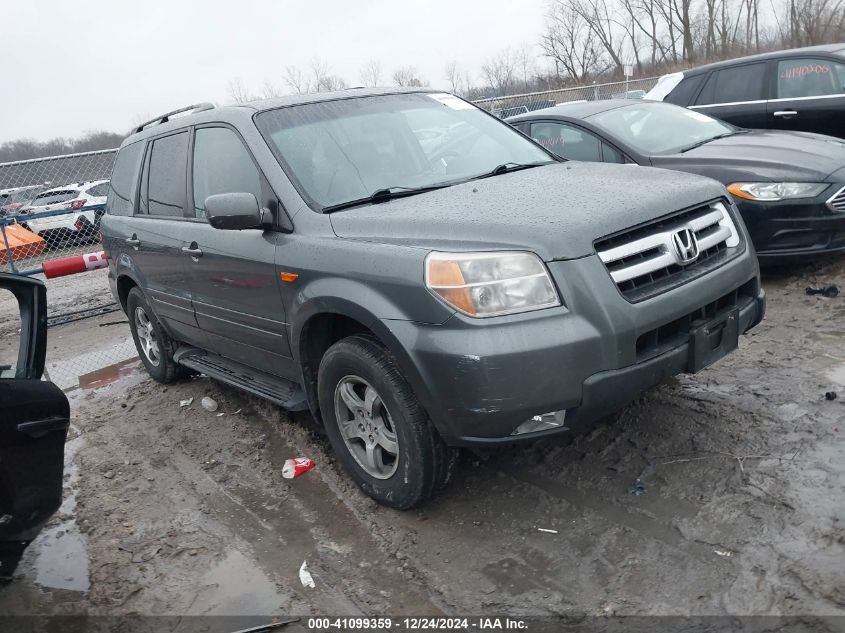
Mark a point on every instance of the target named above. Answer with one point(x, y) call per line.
point(285, 393)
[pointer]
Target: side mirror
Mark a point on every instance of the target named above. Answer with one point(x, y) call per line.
point(31, 296)
point(233, 211)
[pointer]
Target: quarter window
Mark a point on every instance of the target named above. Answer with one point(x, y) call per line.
point(167, 184)
point(221, 165)
point(810, 78)
point(566, 141)
point(684, 91)
point(740, 83)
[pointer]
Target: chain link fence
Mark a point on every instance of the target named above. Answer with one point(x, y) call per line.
point(50, 210)
point(512, 105)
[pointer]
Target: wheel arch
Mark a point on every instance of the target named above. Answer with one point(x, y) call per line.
point(321, 326)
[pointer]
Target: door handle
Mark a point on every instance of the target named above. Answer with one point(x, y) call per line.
point(39, 428)
point(193, 252)
point(133, 241)
point(786, 114)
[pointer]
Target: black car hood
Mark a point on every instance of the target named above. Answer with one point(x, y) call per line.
point(556, 210)
point(762, 155)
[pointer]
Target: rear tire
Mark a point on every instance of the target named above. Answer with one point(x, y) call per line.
point(377, 427)
point(155, 347)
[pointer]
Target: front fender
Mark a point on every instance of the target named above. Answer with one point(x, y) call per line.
point(367, 309)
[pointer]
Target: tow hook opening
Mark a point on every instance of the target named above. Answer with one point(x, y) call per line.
point(542, 422)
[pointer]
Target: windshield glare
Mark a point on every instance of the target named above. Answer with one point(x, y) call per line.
point(341, 151)
point(659, 128)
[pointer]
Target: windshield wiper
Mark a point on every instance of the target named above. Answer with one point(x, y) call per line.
point(712, 138)
point(383, 195)
point(505, 168)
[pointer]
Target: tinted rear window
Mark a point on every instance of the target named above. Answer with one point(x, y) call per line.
point(685, 91)
point(54, 197)
point(124, 178)
point(730, 85)
point(167, 181)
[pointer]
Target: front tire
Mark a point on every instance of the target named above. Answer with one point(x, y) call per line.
point(378, 429)
point(155, 347)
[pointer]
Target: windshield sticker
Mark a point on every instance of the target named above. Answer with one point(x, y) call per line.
point(452, 101)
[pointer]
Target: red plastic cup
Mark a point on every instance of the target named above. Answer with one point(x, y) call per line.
point(295, 467)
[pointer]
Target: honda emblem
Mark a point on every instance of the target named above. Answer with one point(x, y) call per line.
point(686, 246)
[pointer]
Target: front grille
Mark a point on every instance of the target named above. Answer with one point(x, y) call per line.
point(837, 202)
point(648, 259)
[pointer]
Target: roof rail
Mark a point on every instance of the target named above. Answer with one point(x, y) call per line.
point(164, 118)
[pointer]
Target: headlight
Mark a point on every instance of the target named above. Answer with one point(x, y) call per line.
point(490, 284)
point(774, 191)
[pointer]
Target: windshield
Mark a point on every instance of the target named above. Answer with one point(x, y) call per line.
point(341, 151)
point(659, 128)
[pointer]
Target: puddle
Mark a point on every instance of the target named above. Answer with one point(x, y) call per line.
point(236, 586)
point(66, 372)
point(61, 560)
point(110, 374)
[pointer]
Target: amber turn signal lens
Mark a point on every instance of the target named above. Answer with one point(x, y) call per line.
point(445, 273)
point(735, 189)
point(288, 277)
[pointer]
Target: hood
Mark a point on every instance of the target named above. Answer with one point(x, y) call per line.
point(763, 155)
point(556, 211)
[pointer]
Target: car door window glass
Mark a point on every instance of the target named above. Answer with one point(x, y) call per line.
point(167, 181)
point(567, 141)
point(221, 165)
point(610, 154)
point(10, 333)
point(810, 78)
point(684, 91)
point(124, 178)
point(731, 85)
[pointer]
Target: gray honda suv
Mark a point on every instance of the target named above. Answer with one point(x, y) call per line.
point(416, 273)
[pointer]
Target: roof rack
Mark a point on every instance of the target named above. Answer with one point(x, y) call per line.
point(164, 118)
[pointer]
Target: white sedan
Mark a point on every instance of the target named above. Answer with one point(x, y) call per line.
point(79, 223)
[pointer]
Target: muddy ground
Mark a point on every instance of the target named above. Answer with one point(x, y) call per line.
point(176, 510)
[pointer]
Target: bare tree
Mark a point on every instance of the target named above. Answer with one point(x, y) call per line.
point(270, 90)
point(407, 76)
point(295, 80)
point(371, 73)
point(459, 80)
point(568, 41)
point(238, 91)
point(499, 71)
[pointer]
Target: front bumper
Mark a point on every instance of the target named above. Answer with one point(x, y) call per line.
point(479, 380)
point(794, 228)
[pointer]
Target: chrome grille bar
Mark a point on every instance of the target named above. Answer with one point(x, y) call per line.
point(642, 257)
point(837, 202)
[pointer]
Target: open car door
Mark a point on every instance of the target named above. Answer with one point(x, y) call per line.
point(34, 418)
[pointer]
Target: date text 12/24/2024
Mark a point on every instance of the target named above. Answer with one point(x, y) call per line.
point(416, 624)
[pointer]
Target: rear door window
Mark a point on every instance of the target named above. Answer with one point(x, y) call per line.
point(221, 165)
point(55, 197)
point(732, 85)
point(567, 141)
point(166, 180)
point(810, 78)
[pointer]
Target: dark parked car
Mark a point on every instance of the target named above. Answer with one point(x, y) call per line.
point(34, 418)
point(789, 186)
point(311, 250)
point(801, 90)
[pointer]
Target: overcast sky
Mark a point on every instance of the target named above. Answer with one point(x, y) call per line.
point(70, 67)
